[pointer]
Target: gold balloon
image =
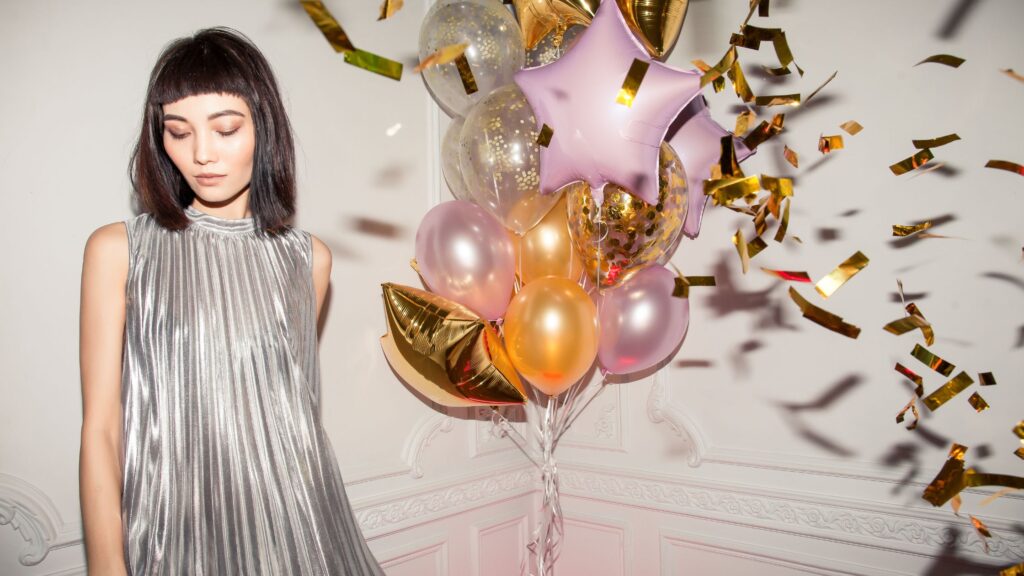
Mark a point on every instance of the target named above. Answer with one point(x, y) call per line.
point(551, 333)
point(546, 249)
point(445, 351)
point(625, 232)
point(656, 23)
point(537, 18)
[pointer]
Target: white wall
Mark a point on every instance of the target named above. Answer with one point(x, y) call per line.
point(769, 445)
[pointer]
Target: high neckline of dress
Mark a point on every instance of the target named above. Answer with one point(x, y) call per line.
point(218, 224)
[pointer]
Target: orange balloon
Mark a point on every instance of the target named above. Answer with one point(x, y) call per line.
point(551, 333)
point(547, 249)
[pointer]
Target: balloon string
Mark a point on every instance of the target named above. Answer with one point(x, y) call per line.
point(548, 534)
point(572, 418)
point(509, 431)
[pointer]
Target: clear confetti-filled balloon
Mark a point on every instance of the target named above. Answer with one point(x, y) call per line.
point(450, 160)
point(499, 157)
point(494, 50)
point(552, 46)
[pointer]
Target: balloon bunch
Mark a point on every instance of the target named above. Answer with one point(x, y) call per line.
point(569, 201)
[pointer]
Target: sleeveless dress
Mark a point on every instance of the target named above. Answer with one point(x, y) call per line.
point(227, 469)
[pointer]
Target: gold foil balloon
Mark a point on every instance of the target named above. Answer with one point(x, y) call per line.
point(551, 333)
point(538, 18)
point(625, 233)
point(656, 23)
point(547, 250)
point(445, 351)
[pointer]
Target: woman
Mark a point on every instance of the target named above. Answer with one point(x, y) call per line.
point(202, 448)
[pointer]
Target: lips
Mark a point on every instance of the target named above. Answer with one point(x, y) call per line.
point(209, 179)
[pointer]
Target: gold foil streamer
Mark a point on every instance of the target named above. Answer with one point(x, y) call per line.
point(818, 89)
point(929, 334)
point(946, 59)
point(443, 56)
point(716, 72)
point(755, 246)
point(791, 156)
point(764, 131)
point(827, 144)
point(852, 127)
point(630, 86)
point(778, 100)
point(947, 391)
point(1005, 165)
point(997, 495)
point(914, 377)
point(935, 142)
point(544, 137)
point(911, 406)
point(743, 122)
point(911, 322)
point(741, 249)
point(986, 379)
point(828, 285)
point(1009, 72)
point(445, 351)
point(739, 82)
point(912, 163)
point(932, 361)
point(780, 234)
point(388, 8)
point(901, 230)
point(466, 74)
point(328, 25)
point(788, 275)
point(823, 317)
point(977, 402)
point(718, 83)
point(374, 63)
point(683, 284)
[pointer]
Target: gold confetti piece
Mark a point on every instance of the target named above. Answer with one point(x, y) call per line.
point(791, 156)
point(926, 330)
point(906, 324)
point(823, 317)
point(442, 56)
point(1016, 570)
point(466, 74)
point(952, 478)
point(986, 379)
point(727, 164)
point(913, 376)
point(982, 531)
point(852, 127)
point(725, 191)
point(373, 63)
point(932, 361)
point(716, 72)
point(828, 285)
point(701, 281)
point(1009, 72)
point(955, 504)
point(947, 391)
point(783, 224)
point(1019, 431)
point(544, 138)
point(935, 142)
point(997, 496)
point(901, 230)
point(762, 8)
point(957, 451)
point(818, 89)
point(739, 82)
point(752, 36)
point(827, 144)
point(1005, 165)
point(684, 283)
point(946, 59)
point(778, 100)
point(977, 402)
point(912, 406)
point(741, 249)
point(755, 246)
point(764, 131)
point(328, 25)
point(630, 86)
point(788, 275)
point(912, 163)
point(388, 8)
point(743, 122)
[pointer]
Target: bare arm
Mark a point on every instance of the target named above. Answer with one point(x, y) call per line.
point(321, 271)
point(101, 338)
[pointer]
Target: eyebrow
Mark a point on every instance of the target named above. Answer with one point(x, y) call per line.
point(210, 117)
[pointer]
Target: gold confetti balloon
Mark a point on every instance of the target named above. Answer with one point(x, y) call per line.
point(494, 51)
point(552, 47)
point(656, 23)
point(626, 233)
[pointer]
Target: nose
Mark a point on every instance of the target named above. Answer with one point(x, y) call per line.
point(204, 151)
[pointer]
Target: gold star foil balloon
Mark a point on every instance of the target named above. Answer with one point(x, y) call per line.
point(656, 23)
point(538, 18)
point(625, 233)
point(445, 351)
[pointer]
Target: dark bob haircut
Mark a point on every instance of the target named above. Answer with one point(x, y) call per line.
point(215, 61)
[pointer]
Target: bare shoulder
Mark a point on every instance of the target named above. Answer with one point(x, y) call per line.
point(107, 246)
point(321, 257)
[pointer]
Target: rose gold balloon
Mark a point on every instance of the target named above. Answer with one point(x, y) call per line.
point(546, 249)
point(551, 333)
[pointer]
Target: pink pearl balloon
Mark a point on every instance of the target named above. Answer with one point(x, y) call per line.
point(641, 321)
point(464, 254)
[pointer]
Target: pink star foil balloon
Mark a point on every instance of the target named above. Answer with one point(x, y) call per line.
point(698, 142)
point(595, 138)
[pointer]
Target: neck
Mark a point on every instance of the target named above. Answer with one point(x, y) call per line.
point(234, 208)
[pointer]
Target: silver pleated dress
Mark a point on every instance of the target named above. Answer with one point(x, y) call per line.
point(227, 469)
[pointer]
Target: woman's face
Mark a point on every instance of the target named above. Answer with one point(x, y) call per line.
point(211, 139)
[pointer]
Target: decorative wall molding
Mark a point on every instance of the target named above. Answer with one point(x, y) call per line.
point(421, 437)
point(31, 513)
point(434, 547)
point(604, 424)
point(518, 524)
point(661, 409)
point(918, 532)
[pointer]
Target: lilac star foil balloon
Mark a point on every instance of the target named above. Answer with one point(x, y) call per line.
point(595, 138)
point(698, 142)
